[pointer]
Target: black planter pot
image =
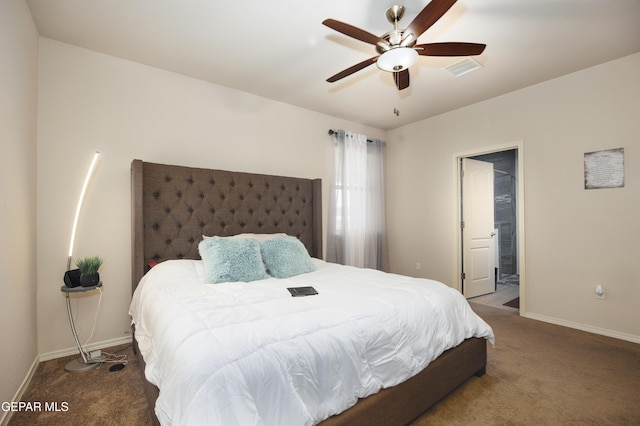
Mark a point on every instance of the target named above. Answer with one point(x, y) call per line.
point(89, 280)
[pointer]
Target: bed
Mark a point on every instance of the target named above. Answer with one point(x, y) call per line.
point(173, 207)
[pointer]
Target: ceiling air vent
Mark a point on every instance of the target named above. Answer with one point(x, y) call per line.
point(463, 67)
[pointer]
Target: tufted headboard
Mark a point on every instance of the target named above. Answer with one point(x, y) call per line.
point(173, 206)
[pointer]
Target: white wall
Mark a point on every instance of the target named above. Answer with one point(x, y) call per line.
point(19, 65)
point(88, 102)
point(575, 238)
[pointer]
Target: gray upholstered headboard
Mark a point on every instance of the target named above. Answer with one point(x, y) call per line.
point(173, 206)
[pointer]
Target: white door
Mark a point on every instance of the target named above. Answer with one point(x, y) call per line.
point(478, 242)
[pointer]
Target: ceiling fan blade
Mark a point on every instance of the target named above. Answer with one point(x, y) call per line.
point(401, 79)
point(428, 16)
point(352, 31)
point(352, 69)
point(450, 49)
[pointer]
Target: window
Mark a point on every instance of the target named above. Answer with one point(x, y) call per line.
point(356, 231)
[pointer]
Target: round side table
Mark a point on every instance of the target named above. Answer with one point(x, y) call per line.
point(82, 363)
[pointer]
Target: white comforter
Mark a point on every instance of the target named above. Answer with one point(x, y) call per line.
point(250, 354)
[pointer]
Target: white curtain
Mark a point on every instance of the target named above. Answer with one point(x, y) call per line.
point(356, 232)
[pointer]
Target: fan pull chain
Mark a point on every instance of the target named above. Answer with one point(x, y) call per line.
point(396, 110)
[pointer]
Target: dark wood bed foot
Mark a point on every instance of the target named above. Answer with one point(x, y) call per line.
point(150, 390)
point(133, 338)
point(481, 372)
point(403, 403)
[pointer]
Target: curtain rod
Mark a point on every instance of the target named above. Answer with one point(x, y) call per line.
point(331, 132)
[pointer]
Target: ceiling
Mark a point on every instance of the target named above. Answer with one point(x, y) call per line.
point(280, 50)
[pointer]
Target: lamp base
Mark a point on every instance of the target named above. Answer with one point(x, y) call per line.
point(78, 365)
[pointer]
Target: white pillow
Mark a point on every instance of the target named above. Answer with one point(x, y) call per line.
point(257, 237)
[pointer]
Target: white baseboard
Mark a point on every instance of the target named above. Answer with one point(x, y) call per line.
point(90, 347)
point(6, 415)
point(584, 327)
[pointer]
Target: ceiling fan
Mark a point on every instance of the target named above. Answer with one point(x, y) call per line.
point(397, 49)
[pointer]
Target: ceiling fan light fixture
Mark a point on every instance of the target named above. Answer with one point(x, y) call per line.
point(397, 59)
point(383, 46)
point(406, 41)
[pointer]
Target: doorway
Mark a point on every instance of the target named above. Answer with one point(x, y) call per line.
point(508, 213)
point(505, 213)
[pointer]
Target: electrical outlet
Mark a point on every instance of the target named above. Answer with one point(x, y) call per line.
point(418, 266)
point(600, 294)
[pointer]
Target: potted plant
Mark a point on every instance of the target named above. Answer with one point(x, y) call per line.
point(88, 267)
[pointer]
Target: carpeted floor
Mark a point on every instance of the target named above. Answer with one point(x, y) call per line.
point(538, 374)
point(544, 374)
point(94, 398)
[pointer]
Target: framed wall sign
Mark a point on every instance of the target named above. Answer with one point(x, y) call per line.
point(604, 169)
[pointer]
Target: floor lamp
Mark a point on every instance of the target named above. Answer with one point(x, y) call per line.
point(82, 363)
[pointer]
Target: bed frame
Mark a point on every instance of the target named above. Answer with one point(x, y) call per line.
point(173, 206)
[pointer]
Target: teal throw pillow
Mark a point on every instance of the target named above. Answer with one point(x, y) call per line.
point(231, 259)
point(286, 257)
